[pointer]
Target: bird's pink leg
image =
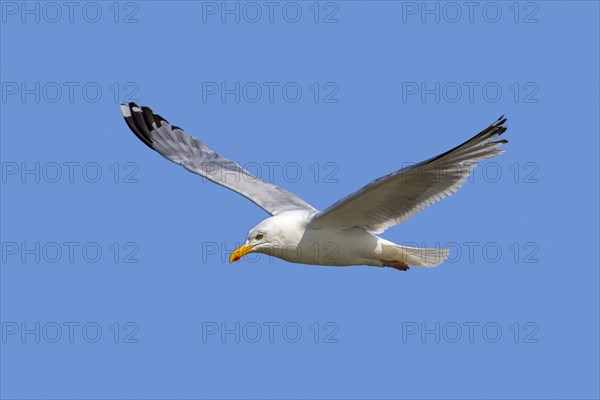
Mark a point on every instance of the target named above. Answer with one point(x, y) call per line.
point(399, 265)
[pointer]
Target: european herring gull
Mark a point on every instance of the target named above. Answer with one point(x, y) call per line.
point(345, 233)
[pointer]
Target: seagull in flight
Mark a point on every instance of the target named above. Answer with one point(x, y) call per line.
point(345, 233)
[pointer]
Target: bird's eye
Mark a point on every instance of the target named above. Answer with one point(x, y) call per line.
point(260, 236)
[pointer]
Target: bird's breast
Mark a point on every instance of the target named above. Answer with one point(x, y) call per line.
point(331, 247)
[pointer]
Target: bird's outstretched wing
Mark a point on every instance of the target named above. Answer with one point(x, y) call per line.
point(394, 198)
point(174, 144)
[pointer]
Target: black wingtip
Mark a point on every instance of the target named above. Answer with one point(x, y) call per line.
point(498, 127)
point(160, 119)
point(133, 123)
point(149, 118)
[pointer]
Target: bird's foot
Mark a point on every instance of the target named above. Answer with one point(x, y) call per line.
point(399, 265)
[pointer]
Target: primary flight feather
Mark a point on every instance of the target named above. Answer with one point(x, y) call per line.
point(344, 233)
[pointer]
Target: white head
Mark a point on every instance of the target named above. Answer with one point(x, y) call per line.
point(273, 233)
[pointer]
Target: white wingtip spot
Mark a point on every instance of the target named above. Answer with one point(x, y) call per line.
point(125, 111)
point(136, 109)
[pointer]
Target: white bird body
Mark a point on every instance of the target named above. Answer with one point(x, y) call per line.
point(345, 233)
point(296, 242)
point(304, 245)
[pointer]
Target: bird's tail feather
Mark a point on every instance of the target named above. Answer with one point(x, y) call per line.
point(423, 257)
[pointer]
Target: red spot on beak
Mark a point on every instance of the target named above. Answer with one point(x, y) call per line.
point(236, 259)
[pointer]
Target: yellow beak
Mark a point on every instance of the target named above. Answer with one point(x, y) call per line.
point(240, 252)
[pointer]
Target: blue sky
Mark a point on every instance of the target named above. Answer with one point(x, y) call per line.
point(114, 278)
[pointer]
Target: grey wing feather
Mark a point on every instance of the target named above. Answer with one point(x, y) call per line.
point(392, 199)
point(174, 144)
